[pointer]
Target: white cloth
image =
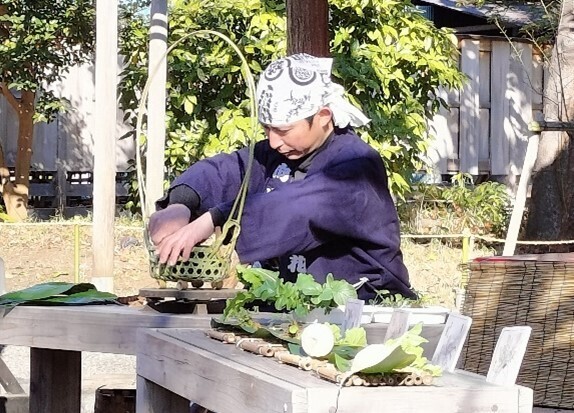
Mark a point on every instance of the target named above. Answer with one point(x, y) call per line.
point(296, 87)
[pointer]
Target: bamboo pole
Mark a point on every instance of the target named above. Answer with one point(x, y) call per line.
point(156, 103)
point(105, 144)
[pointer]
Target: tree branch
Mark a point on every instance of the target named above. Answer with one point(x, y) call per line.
point(9, 96)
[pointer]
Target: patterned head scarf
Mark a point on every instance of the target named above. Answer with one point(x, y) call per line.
point(298, 86)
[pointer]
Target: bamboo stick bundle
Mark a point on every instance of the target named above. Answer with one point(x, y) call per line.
point(226, 337)
point(293, 359)
point(256, 346)
point(330, 373)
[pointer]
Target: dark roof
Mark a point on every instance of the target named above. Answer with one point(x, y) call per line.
point(512, 15)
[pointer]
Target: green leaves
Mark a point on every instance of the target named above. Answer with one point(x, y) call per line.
point(300, 297)
point(401, 354)
point(389, 58)
point(57, 293)
point(40, 40)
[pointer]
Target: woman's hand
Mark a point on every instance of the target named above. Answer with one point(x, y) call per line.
point(167, 221)
point(182, 241)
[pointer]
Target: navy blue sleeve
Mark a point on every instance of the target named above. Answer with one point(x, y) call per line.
point(217, 179)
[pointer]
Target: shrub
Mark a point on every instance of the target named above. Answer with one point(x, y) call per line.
point(483, 208)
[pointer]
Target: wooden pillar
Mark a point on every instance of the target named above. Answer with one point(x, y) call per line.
point(157, 70)
point(308, 27)
point(105, 144)
point(55, 381)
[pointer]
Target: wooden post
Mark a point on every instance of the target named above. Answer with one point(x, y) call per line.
point(105, 144)
point(308, 27)
point(157, 70)
point(521, 194)
point(55, 381)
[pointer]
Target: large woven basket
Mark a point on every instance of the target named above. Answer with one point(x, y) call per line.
point(533, 290)
point(212, 262)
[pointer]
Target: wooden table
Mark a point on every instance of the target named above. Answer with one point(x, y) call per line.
point(58, 335)
point(175, 366)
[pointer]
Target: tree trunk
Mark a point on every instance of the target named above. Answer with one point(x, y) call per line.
point(15, 194)
point(308, 27)
point(551, 212)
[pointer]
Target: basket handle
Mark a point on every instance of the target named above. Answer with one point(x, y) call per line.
point(233, 221)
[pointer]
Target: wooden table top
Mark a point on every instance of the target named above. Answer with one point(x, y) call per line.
point(224, 378)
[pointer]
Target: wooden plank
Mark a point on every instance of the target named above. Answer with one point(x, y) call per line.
point(353, 314)
point(469, 109)
point(500, 125)
point(55, 378)
point(429, 399)
point(194, 294)
point(484, 76)
point(195, 372)
point(484, 140)
point(105, 328)
point(151, 398)
point(508, 354)
point(399, 324)
point(444, 128)
point(451, 341)
point(520, 90)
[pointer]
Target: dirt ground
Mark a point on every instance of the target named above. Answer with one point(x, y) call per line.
point(35, 253)
point(40, 252)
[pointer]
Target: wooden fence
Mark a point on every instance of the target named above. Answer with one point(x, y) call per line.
point(484, 132)
point(486, 129)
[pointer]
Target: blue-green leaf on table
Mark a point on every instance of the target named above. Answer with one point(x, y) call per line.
point(84, 297)
point(36, 292)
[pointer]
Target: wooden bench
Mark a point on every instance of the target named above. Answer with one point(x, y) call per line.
point(57, 336)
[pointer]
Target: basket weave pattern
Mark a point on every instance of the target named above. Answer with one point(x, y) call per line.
point(205, 264)
point(539, 294)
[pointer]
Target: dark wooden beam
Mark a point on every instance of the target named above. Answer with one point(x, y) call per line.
point(308, 27)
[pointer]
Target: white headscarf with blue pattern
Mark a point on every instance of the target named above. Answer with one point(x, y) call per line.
point(296, 87)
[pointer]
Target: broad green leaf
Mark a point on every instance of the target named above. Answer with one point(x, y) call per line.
point(36, 292)
point(307, 284)
point(342, 363)
point(85, 297)
point(356, 336)
point(340, 290)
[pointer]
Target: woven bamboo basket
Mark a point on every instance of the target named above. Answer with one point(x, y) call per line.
point(537, 291)
point(210, 263)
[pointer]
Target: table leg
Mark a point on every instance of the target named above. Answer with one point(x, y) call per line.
point(55, 381)
point(151, 398)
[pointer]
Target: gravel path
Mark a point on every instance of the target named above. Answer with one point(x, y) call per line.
point(98, 369)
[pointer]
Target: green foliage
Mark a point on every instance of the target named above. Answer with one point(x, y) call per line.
point(57, 293)
point(264, 286)
point(403, 354)
point(389, 58)
point(39, 41)
point(483, 208)
point(385, 298)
